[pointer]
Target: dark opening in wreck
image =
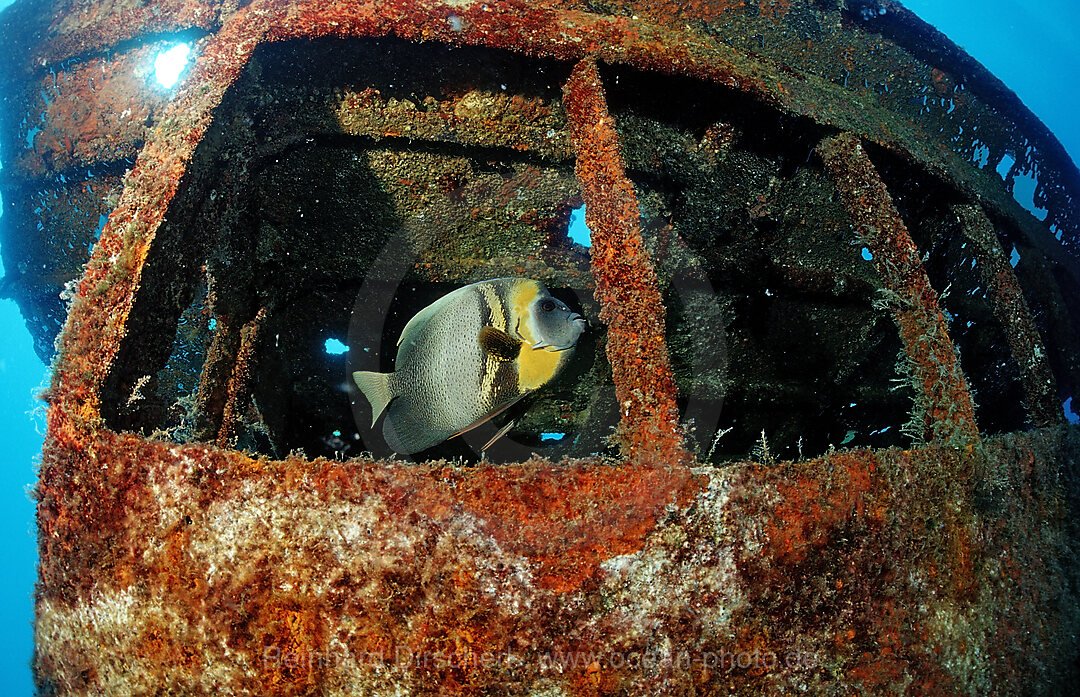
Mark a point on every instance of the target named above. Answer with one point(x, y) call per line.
point(794, 229)
point(318, 174)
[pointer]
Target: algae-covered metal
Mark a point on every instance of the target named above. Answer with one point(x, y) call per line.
point(815, 443)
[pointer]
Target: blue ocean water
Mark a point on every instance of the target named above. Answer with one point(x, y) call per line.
point(1033, 47)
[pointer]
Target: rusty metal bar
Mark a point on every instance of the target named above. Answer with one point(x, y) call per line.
point(526, 124)
point(239, 389)
point(626, 284)
point(210, 395)
point(1052, 303)
point(1012, 311)
point(944, 410)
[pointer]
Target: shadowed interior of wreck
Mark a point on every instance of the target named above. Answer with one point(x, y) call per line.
point(310, 174)
point(304, 183)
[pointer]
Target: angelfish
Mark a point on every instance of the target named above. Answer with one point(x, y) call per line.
point(467, 357)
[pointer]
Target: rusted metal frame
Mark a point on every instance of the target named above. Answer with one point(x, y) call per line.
point(96, 323)
point(626, 284)
point(1011, 310)
point(238, 392)
point(944, 410)
point(228, 51)
point(567, 34)
point(637, 44)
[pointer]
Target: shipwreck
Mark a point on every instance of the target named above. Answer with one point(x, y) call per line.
point(816, 440)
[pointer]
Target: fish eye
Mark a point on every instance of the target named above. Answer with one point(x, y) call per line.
point(548, 305)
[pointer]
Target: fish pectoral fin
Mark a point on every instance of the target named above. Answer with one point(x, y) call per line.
point(498, 344)
point(376, 387)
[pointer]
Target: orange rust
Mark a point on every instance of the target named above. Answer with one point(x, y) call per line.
point(807, 512)
point(294, 651)
point(942, 81)
point(102, 26)
point(567, 519)
point(217, 369)
point(948, 413)
point(157, 646)
point(963, 566)
point(626, 284)
point(539, 510)
point(91, 115)
point(239, 387)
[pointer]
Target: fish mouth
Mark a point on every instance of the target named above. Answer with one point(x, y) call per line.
point(552, 348)
point(578, 321)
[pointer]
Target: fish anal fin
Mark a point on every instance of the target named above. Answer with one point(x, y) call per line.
point(490, 416)
point(376, 387)
point(500, 345)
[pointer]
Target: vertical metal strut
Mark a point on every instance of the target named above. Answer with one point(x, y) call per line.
point(626, 284)
point(944, 408)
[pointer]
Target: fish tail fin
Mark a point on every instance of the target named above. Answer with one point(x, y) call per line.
point(376, 387)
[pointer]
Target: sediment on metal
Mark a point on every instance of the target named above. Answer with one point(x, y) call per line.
point(1011, 310)
point(626, 283)
point(945, 411)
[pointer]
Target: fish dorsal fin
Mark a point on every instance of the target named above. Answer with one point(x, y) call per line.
point(376, 387)
point(500, 345)
point(421, 318)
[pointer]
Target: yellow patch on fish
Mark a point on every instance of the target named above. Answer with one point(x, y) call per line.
point(536, 367)
point(523, 295)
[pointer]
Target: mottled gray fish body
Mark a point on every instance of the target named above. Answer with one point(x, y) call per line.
point(468, 356)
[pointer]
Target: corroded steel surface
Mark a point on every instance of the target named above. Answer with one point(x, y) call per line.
point(859, 571)
point(944, 411)
point(626, 285)
point(174, 566)
point(1012, 309)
